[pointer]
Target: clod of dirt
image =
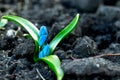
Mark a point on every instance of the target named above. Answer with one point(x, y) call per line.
point(84, 47)
point(22, 69)
point(44, 71)
point(3, 44)
point(7, 43)
point(25, 49)
point(113, 48)
point(60, 53)
point(91, 66)
point(100, 29)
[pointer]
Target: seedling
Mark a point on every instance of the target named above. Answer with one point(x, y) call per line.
point(43, 51)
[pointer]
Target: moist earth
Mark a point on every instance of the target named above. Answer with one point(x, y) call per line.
point(90, 52)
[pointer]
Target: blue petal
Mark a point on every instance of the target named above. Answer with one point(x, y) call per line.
point(46, 50)
point(43, 31)
point(43, 35)
point(42, 40)
point(40, 54)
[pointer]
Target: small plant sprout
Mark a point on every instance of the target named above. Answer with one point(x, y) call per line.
point(44, 51)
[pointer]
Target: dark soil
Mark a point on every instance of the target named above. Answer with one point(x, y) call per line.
point(90, 52)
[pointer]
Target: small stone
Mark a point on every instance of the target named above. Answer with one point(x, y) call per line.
point(97, 65)
point(11, 33)
point(84, 47)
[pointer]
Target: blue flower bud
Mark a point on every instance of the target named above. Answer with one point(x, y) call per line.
point(45, 51)
point(42, 40)
point(43, 30)
point(43, 35)
point(41, 54)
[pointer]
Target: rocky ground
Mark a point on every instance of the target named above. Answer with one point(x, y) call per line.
point(90, 52)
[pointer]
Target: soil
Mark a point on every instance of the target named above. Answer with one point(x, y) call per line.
point(90, 52)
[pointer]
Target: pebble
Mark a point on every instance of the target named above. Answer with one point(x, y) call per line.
point(11, 33)
point(84, 47)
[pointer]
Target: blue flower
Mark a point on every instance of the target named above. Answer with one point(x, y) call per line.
point(43, 35)
point(45, 51)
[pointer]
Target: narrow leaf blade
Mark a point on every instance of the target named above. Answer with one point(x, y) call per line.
point(61, 35)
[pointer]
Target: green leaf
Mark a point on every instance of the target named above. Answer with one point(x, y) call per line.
point(61, 35)
point(32, 30)
point(54, 63)
point(3, 22)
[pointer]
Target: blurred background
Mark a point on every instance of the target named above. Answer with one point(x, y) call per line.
point(50, 11)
